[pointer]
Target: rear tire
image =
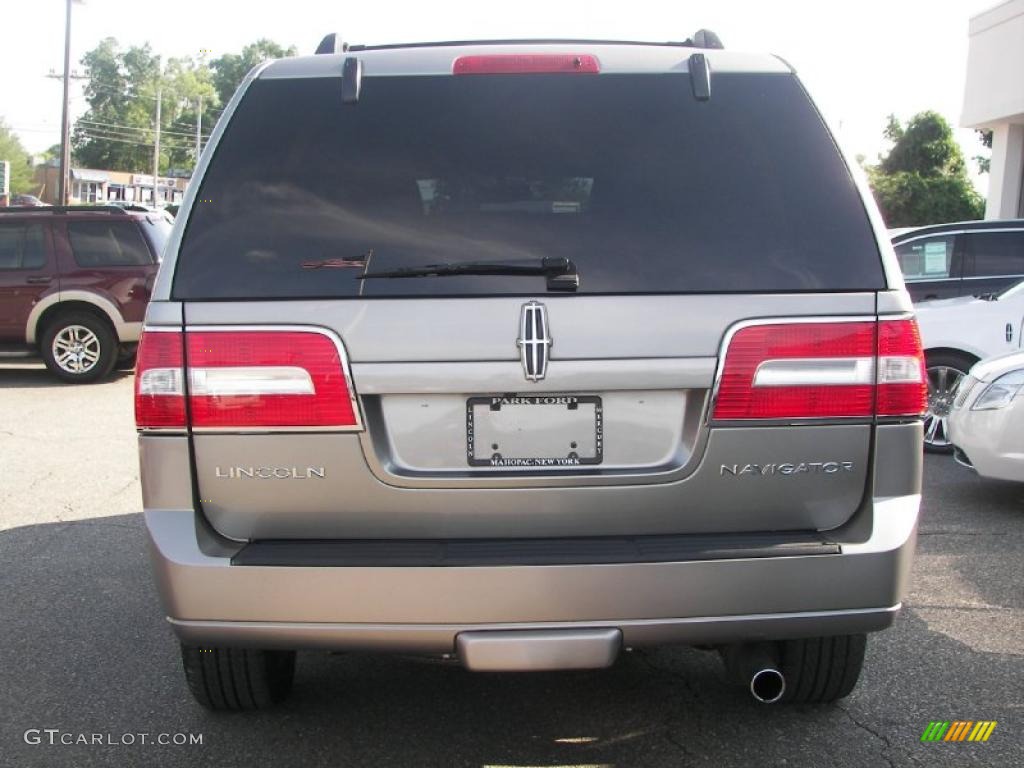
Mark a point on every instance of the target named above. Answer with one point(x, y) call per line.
point(79, 347)
point(945, 370)
point(237, 679)
point(819, 670)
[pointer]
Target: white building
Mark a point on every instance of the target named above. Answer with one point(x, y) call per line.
point(994, 101)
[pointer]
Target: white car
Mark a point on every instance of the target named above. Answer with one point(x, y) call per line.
point(986, 425)
point(956, 334)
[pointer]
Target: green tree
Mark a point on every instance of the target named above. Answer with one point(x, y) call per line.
point(230, 69)
point(21, 169)
point(923, 179)
point(118, 130)
point(984, 163)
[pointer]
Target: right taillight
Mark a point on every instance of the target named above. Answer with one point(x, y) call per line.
point(244, 379)
point(826, 369)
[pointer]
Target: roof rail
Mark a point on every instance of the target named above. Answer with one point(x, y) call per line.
point(113, 208)
point(704, 38)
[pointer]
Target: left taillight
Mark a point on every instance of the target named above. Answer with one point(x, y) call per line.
point(160, 381)
point(247, 379)
point(244, 379)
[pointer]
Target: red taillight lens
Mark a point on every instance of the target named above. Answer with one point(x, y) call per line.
point(527, 64)
point(800, 370)
point(159, 381)
point(902, 381)
point(822, 370)
point(246, 379)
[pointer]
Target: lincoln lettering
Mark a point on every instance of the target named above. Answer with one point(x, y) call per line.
point(270, 473)
point(788, 468)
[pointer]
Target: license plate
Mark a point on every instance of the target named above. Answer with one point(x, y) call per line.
point(535, 431)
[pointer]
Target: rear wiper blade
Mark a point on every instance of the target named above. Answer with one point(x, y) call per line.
point(561, 273)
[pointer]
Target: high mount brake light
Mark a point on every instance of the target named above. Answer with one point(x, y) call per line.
point(822, 369)
point(527, 64)
point(242, 379)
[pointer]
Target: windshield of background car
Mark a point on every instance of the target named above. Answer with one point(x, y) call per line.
point(1016, 289)
point(645, 188)
point(158, 230)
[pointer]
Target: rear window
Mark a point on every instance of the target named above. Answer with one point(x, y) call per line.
point(997, 254)
point(21, 246)
point(107, 244)
point(645, 188)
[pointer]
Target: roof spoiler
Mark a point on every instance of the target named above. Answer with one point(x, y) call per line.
point(332, 43)
point(705, 38)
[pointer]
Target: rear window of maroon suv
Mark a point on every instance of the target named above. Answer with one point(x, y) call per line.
point(645, 188)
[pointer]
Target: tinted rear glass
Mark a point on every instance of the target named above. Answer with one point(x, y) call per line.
point(645, 188)
point(997, 254)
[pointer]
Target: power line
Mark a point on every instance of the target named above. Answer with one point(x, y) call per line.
point(125, 127)
point(99, 137)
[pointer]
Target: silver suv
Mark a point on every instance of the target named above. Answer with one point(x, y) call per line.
point(526, 354)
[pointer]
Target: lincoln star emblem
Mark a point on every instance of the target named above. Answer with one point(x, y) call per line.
point(534, 341)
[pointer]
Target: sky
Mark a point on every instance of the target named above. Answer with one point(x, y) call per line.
point(860, 60)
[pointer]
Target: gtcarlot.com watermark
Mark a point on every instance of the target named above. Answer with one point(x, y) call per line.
point(55, 737)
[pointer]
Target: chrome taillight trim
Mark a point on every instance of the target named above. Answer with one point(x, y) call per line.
point(814, 372)
point(235, 381)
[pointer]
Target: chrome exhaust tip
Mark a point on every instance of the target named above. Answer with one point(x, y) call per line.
point(767, 685)
point(755, 665)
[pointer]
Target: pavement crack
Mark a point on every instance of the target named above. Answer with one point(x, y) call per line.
point(666, 725)
point(885, 752)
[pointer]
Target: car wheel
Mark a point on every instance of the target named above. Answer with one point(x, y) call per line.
point(236, 679)
point(818, 670)
point(945, 370)
point(79, 347)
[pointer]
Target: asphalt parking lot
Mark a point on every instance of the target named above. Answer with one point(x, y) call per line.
point(85, 649)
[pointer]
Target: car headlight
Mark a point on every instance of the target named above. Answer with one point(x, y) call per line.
point(1000, 392)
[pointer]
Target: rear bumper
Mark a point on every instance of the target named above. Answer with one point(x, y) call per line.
point(424, 609)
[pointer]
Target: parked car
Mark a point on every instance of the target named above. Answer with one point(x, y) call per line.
point(74, 284)
point(27, 200)
point(987, 421)
point(967, 258)
point(956, 334)
point(523, 354)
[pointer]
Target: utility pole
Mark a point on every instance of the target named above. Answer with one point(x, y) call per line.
point(65, 127)
point(156, 144)
point(199, 132)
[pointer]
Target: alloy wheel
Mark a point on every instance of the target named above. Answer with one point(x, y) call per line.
point(943, 381)
point(76, 349)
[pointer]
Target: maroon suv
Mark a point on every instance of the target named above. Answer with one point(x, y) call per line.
point(74, 284)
